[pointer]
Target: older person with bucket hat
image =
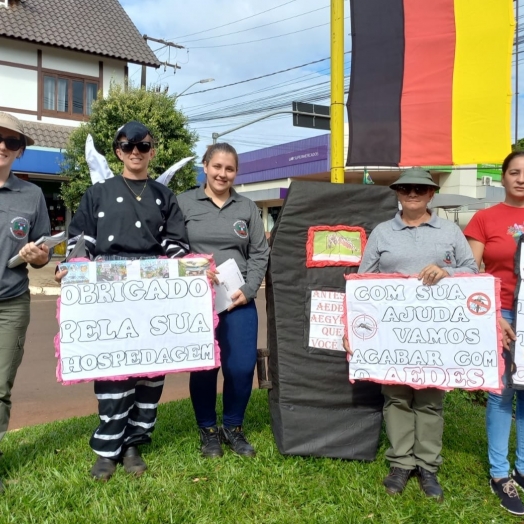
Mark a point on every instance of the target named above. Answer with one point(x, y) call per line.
point(415, 241)
point(23, 220)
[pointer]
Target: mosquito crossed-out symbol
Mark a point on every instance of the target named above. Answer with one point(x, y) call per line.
point(364, 327)
point(479, 303)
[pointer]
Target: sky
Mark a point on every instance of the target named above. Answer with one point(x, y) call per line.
point(221, 53)
point(236, 40)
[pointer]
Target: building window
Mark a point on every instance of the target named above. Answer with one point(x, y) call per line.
point(68, 97)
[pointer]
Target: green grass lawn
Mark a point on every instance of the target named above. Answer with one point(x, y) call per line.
point(46, 472)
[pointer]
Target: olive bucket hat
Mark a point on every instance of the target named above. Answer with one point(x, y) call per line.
point(13, 124)
point(415, 176)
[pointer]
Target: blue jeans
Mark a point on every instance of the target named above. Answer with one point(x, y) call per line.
point(237, 336)
point(498, 425)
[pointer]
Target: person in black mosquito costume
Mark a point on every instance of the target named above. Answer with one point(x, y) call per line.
point(127, 217)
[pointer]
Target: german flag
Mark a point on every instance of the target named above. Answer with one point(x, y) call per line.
point(430, 82)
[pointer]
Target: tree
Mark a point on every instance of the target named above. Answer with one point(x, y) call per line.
point(519, 146)
point(157, 111)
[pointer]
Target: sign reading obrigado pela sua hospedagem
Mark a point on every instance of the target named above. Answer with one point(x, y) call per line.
point(125, 318)
point(444, 336)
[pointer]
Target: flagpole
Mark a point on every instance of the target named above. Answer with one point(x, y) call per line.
point(337, 91)
point(517, 74)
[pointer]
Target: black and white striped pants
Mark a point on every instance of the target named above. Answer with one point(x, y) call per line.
point(127, 411)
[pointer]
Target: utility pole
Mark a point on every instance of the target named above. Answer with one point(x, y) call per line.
point(517, 73)
point(166, 43)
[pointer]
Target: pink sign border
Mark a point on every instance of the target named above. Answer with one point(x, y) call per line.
point(59, 376)
point(498, 304)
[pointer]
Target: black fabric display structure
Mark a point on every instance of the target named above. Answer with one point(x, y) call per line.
point(314, 409)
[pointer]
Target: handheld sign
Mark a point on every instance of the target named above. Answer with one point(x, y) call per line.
point(443, 336)
point(126, 318)
point(517, 347)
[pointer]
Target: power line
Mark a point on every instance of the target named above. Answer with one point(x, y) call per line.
point(259, 77)
point(262, 39)
point(234, 21)
point(283, 100)
point(256, 27)
point(286, 83)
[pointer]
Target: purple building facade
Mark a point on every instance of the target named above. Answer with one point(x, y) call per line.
point(300, 158)
point(264, 175)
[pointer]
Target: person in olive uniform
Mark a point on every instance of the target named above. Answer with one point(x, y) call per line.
point(23, 220)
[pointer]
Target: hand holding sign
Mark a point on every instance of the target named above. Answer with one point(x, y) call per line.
point(345, 344)
point(508, 335)
point(432, 274)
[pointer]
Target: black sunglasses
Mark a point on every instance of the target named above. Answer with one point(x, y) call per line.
point(127, 147)
point(406, 189)
point(13, 144)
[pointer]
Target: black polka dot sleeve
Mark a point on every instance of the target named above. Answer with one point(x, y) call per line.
point(175, 241)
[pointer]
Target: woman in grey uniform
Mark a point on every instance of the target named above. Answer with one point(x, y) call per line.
point(222, 222)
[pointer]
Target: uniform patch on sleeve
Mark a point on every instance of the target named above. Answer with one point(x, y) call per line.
point(240, 228)
point(19, 227)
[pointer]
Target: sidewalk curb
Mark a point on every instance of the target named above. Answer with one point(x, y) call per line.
point(46, 290)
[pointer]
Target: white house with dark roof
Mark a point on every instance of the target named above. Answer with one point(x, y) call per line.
point(56, 57)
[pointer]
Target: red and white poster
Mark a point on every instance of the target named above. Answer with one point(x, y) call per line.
point(444, 336)
point(326, 320)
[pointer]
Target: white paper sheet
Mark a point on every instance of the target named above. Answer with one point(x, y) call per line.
point(231, 280)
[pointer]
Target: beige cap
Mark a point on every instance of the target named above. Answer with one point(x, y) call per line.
point(10, 122)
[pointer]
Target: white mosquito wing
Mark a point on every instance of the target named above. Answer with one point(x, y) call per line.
point(166, 177)
point(97, 163)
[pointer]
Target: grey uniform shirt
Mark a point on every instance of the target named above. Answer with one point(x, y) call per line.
point(394, 247)
point(233, 231)
point(23, 219)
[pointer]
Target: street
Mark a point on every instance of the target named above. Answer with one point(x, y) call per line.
point(38, 397)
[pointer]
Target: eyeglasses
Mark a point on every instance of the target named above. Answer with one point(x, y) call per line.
point(406, 190)
point(128, 147)
point(13, 144)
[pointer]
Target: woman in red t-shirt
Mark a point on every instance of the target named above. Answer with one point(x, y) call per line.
point(493, 235)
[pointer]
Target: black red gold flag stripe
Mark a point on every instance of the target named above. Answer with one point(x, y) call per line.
point(430, 82)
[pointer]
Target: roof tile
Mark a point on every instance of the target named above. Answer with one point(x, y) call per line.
point(48, 135)
point(101, 27)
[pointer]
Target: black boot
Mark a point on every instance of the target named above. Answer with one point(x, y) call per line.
point(103, 468)
point(234, 437)
point(396, 480)
point(210, 442)
point(429, 484)
point(133, 462)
